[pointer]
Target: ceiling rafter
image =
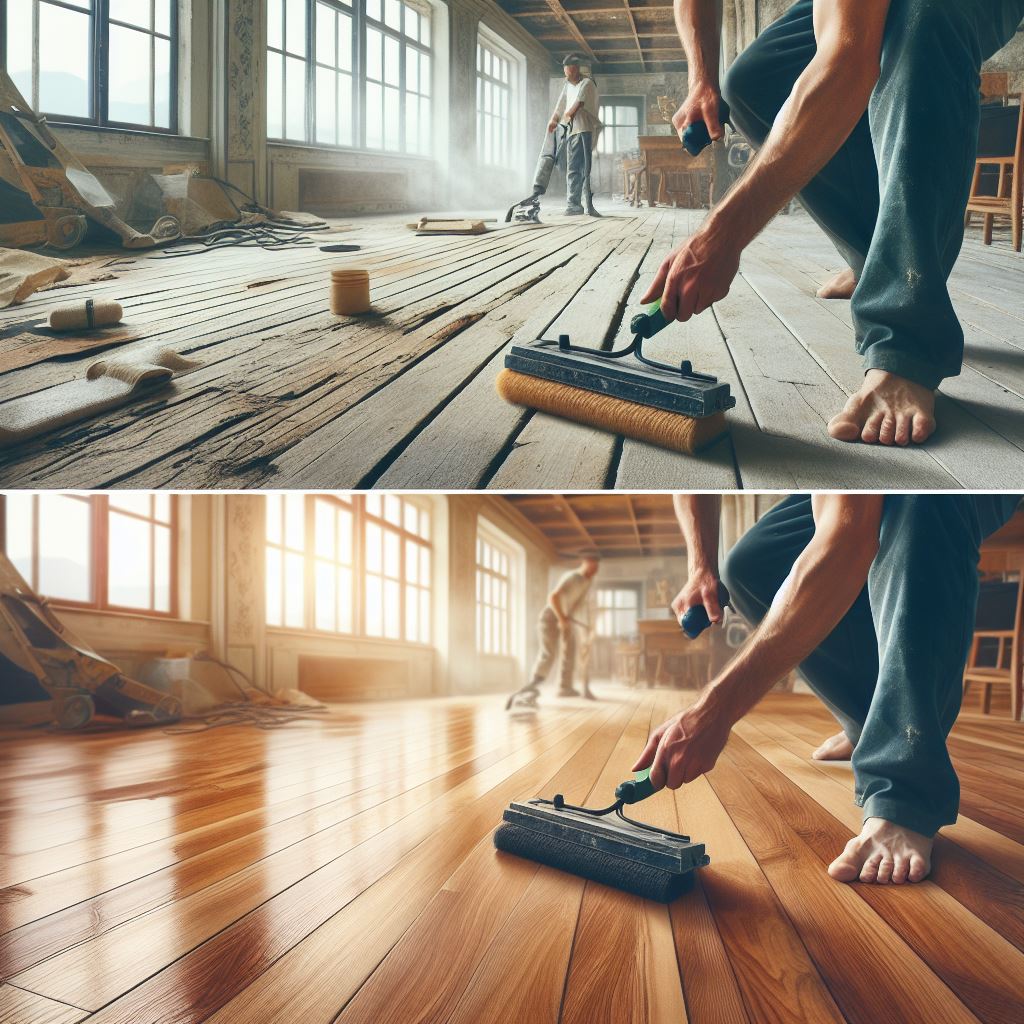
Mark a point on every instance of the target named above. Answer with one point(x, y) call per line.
point(565, 18)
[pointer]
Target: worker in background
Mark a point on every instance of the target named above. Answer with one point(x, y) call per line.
point(873, 597)
point(555, 633)
point(577, 110)
point(869, 111)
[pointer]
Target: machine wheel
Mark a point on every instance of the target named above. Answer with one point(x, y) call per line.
point(75, 712)
point(167, 710)
point(66, 232)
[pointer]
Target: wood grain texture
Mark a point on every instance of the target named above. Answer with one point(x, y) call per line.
point(343, 870)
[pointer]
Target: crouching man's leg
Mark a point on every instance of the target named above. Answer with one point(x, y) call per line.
point(923, 589)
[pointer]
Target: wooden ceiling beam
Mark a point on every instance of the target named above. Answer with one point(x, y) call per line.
point(575, 519)
point(636, 38)
point(563, 16)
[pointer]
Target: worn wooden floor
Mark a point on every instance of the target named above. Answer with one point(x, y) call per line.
point(290, 396)
point(342, 871)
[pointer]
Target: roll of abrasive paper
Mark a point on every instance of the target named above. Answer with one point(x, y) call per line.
point(86, 315)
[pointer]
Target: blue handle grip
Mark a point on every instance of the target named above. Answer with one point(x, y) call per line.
point(697, 138)
point(696, 620)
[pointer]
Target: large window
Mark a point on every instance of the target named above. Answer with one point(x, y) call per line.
point(351, 564)
point(494, 73)
point(617, 611)
point(350, 73)
point(104, 62)
point(112, 552)
point(621, 126)
point(494, 593)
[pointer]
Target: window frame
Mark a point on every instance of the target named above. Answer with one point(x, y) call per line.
point(484, 42)
point(361, 21)
point(99, 66)
point(507, 614)
point(99, 555)
point(613, 609)
point(635, 103)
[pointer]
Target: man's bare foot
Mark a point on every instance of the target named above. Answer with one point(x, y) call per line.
point(887, 409)
point(835, 748)
point(884, 852)
point(839, 287)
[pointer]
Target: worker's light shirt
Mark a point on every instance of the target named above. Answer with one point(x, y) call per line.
point(586, 119)
point(572, 590)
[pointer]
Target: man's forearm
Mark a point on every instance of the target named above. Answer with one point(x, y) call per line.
point(699, 516)
point(822, 587)
point(699, 23)
point(824, 107)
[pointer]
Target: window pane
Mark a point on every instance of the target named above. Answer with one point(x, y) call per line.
point(412, 614)
point(18, 542)
point(20, 46)
point(162, 570)
point(326, 605)
point(425, 566)
point(374, 116)
point(345, 110)
point(374, 548)
point(129, 76)
point(65, 547)
point(412, 562)
point(163, 16)
point(393, 14)
point(275, 14)
point(274, 587)
point(326, 35)
point(295, 521)
point(391, 555)
point(374, 606)
point(134, 12)
point(424, 74)
point(392, 125)
point(393, 509)
point(294, 591)
point(345, 600)
point(424, 617)
point(345, 537)
point(412, 23)
point(132, 501)
point(325, 535)
point(128, 582)
point(295, 99)
point(275, 94)
point(326, 107)
point(162, 84)
point(374, 504)
point(392, 66)
point(344, 42)
point(374, 51)
point(65, 82)
point(295, 27)
point(162, 506)
point(373, 9)
point(425, 31)
point(274, 518)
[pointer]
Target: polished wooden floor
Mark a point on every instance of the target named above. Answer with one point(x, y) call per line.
point(342, 871)
point(288, 395)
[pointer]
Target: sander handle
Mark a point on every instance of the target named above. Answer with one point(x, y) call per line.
point(634, 790)
point(697, 138)
point(696, 620)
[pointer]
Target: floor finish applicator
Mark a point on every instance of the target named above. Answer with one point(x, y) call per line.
point(619, 390)
point(603, 844)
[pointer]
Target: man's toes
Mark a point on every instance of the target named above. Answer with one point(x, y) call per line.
point(869, 870)
point(919, 868)
point(885, 870)
point(924, 427)
point(901, 869)
point(887, 431)
point(871, 428)
point(844, 427)
point(846, 866)
point(903, 426)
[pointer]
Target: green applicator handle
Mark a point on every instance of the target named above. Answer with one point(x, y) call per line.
point(635, 789)
point(648, 324)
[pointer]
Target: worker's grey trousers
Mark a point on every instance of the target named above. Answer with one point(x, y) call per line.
point(577, 166)
point(552, 640)
point(891, 671)
point(892, 199)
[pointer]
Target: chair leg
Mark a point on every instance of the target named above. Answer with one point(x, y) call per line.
point(986, 231)
point(1016, 212)
point(986, 698)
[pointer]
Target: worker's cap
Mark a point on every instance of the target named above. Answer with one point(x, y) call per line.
point(573, 58)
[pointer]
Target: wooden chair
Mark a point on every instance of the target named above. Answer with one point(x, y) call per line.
point(627, 663)
point(636, 181)
point(1008, 200)
point(997, 636)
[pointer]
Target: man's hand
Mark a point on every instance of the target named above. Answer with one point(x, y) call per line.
point(701, 588)
point(552, 124)
point(695, 274)
point(686, 746)
point(701, 104)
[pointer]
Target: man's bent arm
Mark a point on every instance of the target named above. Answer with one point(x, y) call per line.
point(699, 516)
point(699, 23)
point(822, 586)
point(824, 107)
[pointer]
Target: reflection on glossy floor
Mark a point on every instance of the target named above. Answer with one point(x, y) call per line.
point(343, 870)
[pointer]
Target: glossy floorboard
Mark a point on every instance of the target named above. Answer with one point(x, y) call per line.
point(342, 871)
point(288, 395)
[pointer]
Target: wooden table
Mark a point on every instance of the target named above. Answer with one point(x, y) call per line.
point(670, 657)
point(680, 177)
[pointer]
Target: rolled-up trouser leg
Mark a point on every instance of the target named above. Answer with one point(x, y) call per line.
point(923, 586)
point(567, 666)
point(924, 115)
point(576, 169)
point(843, 196)
point(547, 649)
point(842, 669)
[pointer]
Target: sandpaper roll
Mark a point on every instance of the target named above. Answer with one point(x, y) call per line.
point(644, 423)
point(86, 315)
